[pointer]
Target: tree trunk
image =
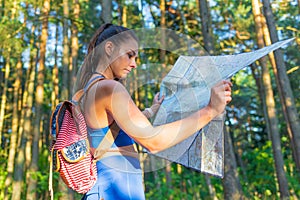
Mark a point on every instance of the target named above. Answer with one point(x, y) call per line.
point(106, 12)
point(182, 185)
point(261, 90)
point(299, 6)
point(271, 110)
point(195, 177)
point(55, 79)
point(2, 10)
point(25, 122)
point(4, 94)
point(168, 173)
point(124, 15)
point(39, 99)
point(14, 9)
point(231, 183)
point(206, 27)
point(273, 63)
point(182, 17)
point(211, 189)
point(19, 171)
point(162, 55)
point(238, 156)
point(66, 52)
point(13, 13)
point(284, 87)
point(15, 126)
point(74, 45)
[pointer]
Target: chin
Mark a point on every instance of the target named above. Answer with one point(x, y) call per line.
point(123, 76)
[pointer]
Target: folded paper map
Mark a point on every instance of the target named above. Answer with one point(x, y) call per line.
point(187, 89)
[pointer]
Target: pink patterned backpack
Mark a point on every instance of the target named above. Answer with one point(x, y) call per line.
point(70, 152)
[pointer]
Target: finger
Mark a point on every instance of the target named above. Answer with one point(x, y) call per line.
point(219, 84)
point(227, 93)
point(224, 84)
point(158, 100)
point(227, 87)
point(162, 99)
point(227, 82)
point(228, 99)
point(155, 99)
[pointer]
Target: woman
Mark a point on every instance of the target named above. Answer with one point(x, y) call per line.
point(107, 105)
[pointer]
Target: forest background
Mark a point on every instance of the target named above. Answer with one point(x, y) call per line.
point(43, 43)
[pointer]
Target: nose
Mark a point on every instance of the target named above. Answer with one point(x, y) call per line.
point(133, 63)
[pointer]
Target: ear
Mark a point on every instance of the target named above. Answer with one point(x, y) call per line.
point(109, 48)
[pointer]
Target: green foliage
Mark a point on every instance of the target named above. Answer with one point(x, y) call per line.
point(10, 31)
point(3, 173)
point(233, 29)
point(261, 165)
point(187, 184)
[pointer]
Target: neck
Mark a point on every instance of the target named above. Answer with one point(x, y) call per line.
point(104, 66)
point(107, 72)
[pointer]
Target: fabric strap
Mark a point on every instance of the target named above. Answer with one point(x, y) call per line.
point(109, 138)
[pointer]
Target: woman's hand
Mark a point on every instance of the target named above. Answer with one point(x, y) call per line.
point(156, 103)
point(156, 99)
point(150, 112)
point(220, 96)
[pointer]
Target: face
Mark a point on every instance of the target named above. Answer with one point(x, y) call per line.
point(125, 59)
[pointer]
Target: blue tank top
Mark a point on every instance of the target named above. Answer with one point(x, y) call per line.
point(95, 136)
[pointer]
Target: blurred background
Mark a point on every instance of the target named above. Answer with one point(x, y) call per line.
point(43, 43)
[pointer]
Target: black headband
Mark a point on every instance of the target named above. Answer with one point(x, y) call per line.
point(109, 31)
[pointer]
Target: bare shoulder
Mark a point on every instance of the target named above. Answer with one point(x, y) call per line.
point(109, 87)
point(100, 101)
point(111, 92)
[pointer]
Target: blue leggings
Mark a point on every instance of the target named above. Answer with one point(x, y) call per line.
point(119, 178)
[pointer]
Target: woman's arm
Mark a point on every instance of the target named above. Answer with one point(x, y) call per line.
point(120, 106)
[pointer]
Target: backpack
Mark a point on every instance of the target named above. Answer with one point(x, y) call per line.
point(70, 151)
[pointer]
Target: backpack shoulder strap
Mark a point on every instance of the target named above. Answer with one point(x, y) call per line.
point(109, 138)
point(79, 94)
